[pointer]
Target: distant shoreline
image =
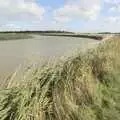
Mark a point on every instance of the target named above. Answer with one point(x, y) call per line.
point(74, 35)
point(11, 34)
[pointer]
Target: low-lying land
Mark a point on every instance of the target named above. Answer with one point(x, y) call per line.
point(14, 36)
point(83, 87)
point(29, 34)
point(96, 37)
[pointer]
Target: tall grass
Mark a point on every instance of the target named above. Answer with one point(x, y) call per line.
point(84, 87)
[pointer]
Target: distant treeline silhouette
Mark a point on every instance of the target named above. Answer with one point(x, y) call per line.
point(109, 33)
point(48, 31)
point(53, 31)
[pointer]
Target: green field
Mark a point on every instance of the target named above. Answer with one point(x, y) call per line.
point(83, 87)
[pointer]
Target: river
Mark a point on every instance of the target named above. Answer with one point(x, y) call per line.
point(16, 52)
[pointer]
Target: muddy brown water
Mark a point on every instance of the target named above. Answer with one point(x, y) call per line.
point(16, 52)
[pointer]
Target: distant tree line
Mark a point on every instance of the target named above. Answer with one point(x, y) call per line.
point(47, 31)
point(109, 33)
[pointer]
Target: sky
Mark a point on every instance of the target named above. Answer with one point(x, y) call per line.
point(68, 15)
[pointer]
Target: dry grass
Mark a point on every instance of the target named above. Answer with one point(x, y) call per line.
point(84, 87)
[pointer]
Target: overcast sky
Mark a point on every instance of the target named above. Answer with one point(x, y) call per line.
point(72, 15)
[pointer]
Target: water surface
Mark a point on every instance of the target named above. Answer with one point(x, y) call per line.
point(15, 52)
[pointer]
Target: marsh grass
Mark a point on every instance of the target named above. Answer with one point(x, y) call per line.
point(83, 87)
point(14, 36)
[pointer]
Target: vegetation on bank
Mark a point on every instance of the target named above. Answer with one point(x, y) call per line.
point(96, 37)
point(83, 87)
point(14, 36)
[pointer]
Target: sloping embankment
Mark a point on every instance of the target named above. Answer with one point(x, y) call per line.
point(95, 37)
point(85, 87)
point(14, 36)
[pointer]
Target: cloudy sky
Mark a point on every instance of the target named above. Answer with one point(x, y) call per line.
point(71, 15)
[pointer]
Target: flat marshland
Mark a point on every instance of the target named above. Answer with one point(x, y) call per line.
point(85, 86)
point(14, 36)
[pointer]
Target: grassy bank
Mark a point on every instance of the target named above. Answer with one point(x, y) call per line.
point(95, 37)
point(83, 87)
point(14, 36)
point(29, 34)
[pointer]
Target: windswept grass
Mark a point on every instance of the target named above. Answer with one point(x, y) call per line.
point(84, 87)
